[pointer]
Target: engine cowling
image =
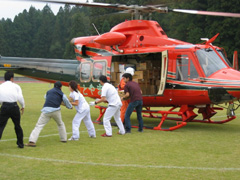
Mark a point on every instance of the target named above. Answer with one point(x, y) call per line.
point(110, 39)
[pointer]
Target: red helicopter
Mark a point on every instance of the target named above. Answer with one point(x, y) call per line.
point(191, 79)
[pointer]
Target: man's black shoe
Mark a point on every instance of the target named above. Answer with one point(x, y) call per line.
point(21, 145)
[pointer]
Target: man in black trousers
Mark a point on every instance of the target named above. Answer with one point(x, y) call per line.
point(10, 94)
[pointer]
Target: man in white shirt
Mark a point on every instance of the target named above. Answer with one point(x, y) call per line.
point(10, 94)
point(109, 94)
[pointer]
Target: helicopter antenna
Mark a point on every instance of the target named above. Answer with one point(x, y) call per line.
point(95, 29)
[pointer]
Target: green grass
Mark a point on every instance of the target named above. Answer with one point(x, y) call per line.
point(196, 151)
point(2, 72)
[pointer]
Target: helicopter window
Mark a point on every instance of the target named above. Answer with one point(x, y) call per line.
point(224, 57)
point(210, 61)
point(193, 71)
point(163, 33)
point(99, 68)
point(85, 71)
point(182, 67)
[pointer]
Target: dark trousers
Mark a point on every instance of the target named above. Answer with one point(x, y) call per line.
point(11, 110)
point(138, 106)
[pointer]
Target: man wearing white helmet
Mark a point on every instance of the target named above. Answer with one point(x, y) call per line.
point(130, 70)
point(121, 86)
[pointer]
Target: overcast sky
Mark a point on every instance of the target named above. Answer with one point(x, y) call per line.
point(11, 8)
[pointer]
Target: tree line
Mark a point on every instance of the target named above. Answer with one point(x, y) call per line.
point(40, 33)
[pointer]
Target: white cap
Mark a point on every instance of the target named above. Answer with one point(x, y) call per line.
point(130, 70)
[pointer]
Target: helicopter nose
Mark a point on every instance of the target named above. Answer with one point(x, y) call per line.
point(229, 80)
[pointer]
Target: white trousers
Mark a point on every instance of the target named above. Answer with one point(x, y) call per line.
point(112, 111)
point(86, 117)
point(43, 120)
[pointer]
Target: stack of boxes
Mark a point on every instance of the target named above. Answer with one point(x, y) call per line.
point(147, 75)
point(117, 70)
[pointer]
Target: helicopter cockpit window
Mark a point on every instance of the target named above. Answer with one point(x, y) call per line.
point(182, 67)
point(210, 61)
point(85, 71)
point(99, 68)
point(224, 57)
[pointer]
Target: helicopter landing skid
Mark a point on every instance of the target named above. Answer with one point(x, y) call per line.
point(211, 111)
point(207, 113)
point(164, 114)
point(215, 122)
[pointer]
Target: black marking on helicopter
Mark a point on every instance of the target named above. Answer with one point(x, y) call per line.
point(201, 87)
point(221, 82)
point(99, 51)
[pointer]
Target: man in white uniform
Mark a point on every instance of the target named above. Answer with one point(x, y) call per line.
point(109, 94)
point(10, 94)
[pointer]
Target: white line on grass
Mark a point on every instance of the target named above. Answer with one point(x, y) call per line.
point(14, 139)
point(120, 165)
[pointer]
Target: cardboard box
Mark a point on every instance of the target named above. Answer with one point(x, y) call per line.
point(157, 82)
point(113, 76)
point(144, 66)
point(115, 67)
point(144, 81)
point(135, 80)
point(143, 88)
point(156, 72)
point(148, 74)
point(156, 64)
point(119, 76)
point(138, 75)
point(151, 90)
point(115, 83)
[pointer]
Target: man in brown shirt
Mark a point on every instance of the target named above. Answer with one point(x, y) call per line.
point(132, 90)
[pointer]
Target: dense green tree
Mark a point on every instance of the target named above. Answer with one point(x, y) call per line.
point(2, 40)
point(7, 50)
point(58, 40)
point(228, 28)
point(105, 27)
point(43, 38)
point(22, 28)
point(79, 27)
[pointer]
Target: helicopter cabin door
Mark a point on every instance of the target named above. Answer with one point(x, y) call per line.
point(164, 69)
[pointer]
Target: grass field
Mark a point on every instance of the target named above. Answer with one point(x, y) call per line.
point(196, 151)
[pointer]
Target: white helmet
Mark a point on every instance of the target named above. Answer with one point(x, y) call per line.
point(130, 70)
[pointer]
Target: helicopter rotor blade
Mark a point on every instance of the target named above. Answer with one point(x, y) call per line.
point(149, 8)
point(140, 9)
point(92, 4)
point(209, 13)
